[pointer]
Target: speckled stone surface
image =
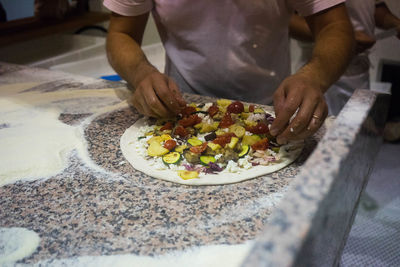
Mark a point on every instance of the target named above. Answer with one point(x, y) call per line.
point(115, 209)
point(310, 225)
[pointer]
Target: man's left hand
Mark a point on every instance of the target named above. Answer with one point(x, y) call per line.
point(300, 96)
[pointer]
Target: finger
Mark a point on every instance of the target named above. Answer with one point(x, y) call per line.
point(178, 95)
point(165, 95)
point(300, 122)
point(138, 102)
point(286, 110)
point(153, 103)
point(320, 113)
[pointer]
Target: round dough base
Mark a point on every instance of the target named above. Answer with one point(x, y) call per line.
point(130, 137)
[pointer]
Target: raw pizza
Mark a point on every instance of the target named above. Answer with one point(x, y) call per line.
point(210, 143)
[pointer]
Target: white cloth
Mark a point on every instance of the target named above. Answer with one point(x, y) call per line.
point(227, 48)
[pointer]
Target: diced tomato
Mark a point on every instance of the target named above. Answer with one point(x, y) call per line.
point(187, 111)
point(235, 107)
point(213, 110)
point(199, 149)
point(181, 131)
point(224, 139)
point(189, 121)
point(167, 126)
point(251, 108)
point(226, 121)
point(261, 145)
point(260, 128)
point(170, 144)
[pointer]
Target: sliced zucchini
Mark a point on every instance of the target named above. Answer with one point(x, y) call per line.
point(171, 158)
point(186, 175)
point(194, 141)
point(245, 150)
point(205, 160)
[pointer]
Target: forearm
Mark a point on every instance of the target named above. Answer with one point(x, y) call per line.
point(127, 58)
point(299, 30)
point(384, 19)
point(332, 52)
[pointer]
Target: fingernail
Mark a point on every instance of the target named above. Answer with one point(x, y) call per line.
point(273, 131)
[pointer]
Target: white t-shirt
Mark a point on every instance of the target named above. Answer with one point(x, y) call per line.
point(236, 49)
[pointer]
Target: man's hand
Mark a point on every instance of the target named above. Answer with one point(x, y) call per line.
point(156, 95)
point(298, 93)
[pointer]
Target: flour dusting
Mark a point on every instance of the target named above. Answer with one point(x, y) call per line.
point(210, 256)
point(34, 143)
point(16, 244)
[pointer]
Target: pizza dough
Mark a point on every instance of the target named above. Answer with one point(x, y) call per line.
point(129, 143)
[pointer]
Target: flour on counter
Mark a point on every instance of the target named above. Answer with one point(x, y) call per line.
point(34, 143)
point(210, 256)
point(16, 244)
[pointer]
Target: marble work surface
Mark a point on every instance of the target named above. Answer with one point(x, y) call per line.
point(100, 205)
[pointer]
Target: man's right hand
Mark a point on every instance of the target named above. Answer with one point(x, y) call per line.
point(156, 95)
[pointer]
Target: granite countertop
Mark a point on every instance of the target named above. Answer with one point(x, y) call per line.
point(107, 207)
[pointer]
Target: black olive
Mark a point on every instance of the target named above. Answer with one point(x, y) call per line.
point(210, 136)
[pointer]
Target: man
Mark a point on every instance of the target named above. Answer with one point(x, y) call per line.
point(364, 15)
point(234, 49)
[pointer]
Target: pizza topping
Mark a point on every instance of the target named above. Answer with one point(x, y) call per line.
point(155, 149)
point(187, 111)
point(226, 121)
point(186, 175)
point(172, 158)
point(190, 120)
point(170, 144)
point(194, 141)
point(213, 110)
point(244, 151)
point(198, 149)
point(260, 145)
point(224, 139)
point(167, 126)
point(206, 160)
point(259, 128)
point(235, 107)
point(214, 137)
point(181, 131)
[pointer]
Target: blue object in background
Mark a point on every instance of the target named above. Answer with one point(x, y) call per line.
point(18, 9)
point(114, 78)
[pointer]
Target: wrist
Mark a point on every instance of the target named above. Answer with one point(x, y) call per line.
point(142, 70)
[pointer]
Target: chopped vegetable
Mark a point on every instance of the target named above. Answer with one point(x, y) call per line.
point(205, 160)
point(245, 150)
point(235, 107)
point(194, 141)
point(250, 139)
point(171, 158)
point(170, 144)
point(187, 175)
point(155, 149)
